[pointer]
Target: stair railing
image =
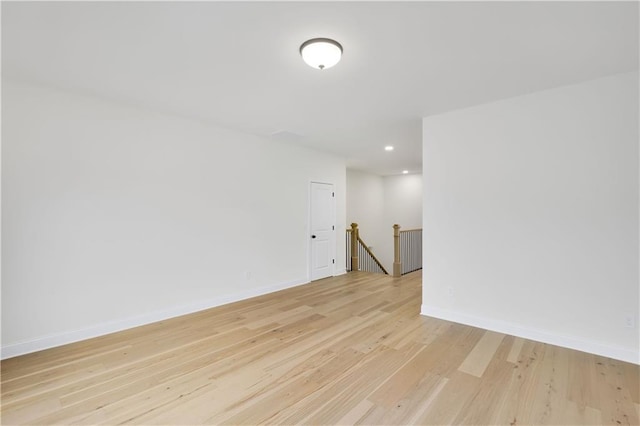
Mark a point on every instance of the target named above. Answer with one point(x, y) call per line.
point(359, 256)
point(407, 250)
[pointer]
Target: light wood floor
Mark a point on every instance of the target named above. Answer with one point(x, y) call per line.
point(346, 350)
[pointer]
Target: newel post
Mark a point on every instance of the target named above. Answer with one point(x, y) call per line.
point(397, 265)
point(354, 247)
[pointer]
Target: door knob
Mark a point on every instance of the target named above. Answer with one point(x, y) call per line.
point(313, 236)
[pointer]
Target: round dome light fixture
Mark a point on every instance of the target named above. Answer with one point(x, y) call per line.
point(321, 53)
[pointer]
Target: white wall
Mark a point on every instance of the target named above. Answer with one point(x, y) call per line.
point(531, 216)
point(376, 203)
point(365, 201)
point(403, 200)
point(115, 216)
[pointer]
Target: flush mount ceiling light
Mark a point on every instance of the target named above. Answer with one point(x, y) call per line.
point(321, 53)
point(405, 172)
point(388, 148)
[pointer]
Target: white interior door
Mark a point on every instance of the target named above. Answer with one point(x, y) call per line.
point(322, 230)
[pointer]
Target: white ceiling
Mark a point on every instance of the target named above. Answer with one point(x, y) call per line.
point(237, 64)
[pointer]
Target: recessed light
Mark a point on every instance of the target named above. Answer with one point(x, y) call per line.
point(388, 148)
point(404, 172)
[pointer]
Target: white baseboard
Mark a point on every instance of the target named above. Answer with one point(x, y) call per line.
point(60, 339)
point(619, 353)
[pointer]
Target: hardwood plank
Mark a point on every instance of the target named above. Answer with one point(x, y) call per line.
point(426, 403)
point(357, 413)
point(515, 349)
point(456, 394)
point(349, 350)
point(520, 385)
point(478, 359)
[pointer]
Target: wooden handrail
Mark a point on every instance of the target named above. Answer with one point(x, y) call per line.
point(373, 256)
point(407, 251)
point(369, 261)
